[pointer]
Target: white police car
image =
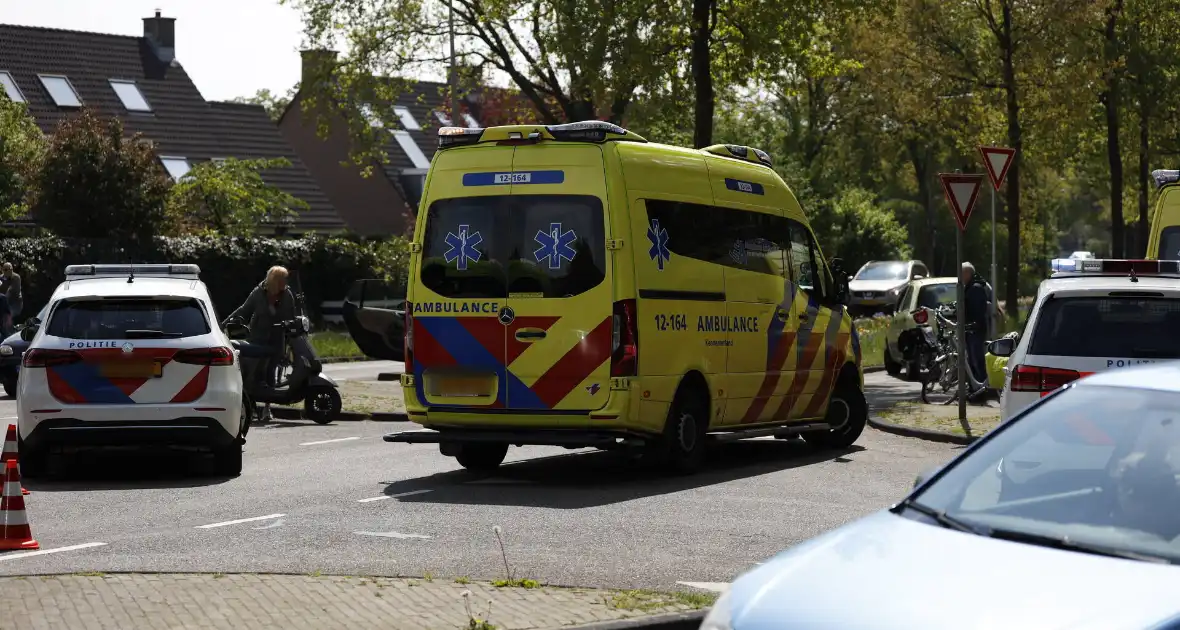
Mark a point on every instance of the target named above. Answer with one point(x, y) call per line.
point(130, 355)
point(1092, 315)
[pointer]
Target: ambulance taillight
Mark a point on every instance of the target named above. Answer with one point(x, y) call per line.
point(624, 358)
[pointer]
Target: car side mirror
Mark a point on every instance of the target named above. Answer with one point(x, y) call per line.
point(29, 331)
point(1002, 347)
point(925, 475)
point(918, 276)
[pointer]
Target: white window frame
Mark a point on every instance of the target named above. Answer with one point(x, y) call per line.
point(15, 95)
point(411, 149)
point(472, 123)
point(443, 119)
point(164, 159)
point(147, 107)
point(69, 84)
point(409, 123)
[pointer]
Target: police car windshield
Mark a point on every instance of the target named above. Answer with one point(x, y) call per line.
point(882, 271)
point(549, 246)
point(1115, 327)
point(128, 319)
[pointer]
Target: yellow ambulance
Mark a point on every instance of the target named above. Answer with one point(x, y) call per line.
point(576, 285)
point(1164, 241)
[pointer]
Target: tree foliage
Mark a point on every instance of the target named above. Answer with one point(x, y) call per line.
point(230, 197)
point(21, 147)
point(95, 182)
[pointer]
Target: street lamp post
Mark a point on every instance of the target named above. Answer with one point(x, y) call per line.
point(453, 74)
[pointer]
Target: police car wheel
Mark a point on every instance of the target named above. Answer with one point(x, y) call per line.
point(33, 462)
point(681, 449)
point(482, 458)
point(892, 368)
point(228, 460)
point(848, 413)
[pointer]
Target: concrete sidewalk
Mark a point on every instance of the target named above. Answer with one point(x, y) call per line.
point(126, 601)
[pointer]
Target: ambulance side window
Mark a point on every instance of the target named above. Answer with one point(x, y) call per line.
point(807, 267)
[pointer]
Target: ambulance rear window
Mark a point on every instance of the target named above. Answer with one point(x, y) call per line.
point(1119, 327)
point(550, 246)
point(128, 319)
point(1170, 243)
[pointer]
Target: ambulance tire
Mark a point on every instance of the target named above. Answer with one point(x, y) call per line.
point(848, 405)
point(681, 449)
point(482, 458)
point(892, 368)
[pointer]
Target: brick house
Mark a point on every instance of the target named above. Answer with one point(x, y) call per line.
point(384, 203)
point(141, 81)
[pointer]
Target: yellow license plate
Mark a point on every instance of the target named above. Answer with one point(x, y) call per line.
point(461, 386)
point(129, 369)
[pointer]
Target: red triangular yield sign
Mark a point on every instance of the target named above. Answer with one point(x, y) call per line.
point(961, 191)
point(997, 160)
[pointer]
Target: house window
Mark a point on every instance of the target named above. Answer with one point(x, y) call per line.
point(443, 119)
point(411, 149)
point(132, 98)
point(10, 88)
point(472, 123)
point(60, 90)
point(177, 167)
point(406, 118)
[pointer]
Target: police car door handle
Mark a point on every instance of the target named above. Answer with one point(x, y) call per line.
point(530, 334)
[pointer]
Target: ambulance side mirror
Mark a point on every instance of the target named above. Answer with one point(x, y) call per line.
point(843, 295)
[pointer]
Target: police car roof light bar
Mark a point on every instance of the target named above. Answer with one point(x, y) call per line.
point(1116, 266)
point(186, 271)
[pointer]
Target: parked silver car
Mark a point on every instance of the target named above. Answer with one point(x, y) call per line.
point(878, 284)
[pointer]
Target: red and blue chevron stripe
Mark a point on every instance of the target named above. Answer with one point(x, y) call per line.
point(83, 382)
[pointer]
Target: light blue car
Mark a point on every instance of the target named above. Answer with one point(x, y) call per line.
point(1065, 517)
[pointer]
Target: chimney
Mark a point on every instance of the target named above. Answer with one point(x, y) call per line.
point(317, 64)
point(161, 34)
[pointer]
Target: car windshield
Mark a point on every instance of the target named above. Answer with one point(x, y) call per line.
point(882, 271)
point(1094, 466)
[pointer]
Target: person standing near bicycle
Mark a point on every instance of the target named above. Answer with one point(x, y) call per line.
point(975, 313)
point(269, 303)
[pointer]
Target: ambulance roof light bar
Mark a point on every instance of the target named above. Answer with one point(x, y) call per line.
point(1113, 266)
point(80, 272)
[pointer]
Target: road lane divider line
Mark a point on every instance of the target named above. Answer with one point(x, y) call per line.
point(240, 520)
point(347, 439)
point(393, 496)
point(43, 552)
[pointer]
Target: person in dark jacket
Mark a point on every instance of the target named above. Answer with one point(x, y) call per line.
point(268, 304)
point(976, 311)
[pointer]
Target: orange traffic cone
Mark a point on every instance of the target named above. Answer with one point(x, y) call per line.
point(14, 523)
point(10, 452)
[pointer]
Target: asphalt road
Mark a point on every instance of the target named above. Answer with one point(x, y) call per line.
point(337, 499)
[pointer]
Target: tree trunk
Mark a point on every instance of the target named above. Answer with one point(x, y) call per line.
point(1111, 103)
point(1144, 174)
point(702, 72)
point(918, 158)
point(1016, 141)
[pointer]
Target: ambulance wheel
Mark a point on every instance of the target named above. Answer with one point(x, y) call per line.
point(33, 462)
point(481, 458)
point(681, 449)
point(892, 368)
point(322, 404)
point(848, 413)
point(228, 460)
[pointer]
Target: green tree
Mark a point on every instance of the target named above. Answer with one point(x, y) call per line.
point(21, 147)
point(274, 104)
point(854, 227)
point(94, 182)
point(230, 197)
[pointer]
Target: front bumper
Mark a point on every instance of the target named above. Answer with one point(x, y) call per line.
point(195, 431)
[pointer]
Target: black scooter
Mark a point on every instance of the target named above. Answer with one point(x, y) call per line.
point(291, 371)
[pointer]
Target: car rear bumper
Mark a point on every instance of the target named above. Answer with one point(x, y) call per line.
point(196, 431)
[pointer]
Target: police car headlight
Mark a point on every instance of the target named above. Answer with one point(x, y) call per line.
point(720, 616)
point(5, 350)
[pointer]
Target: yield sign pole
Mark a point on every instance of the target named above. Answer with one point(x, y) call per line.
point(996, 160)
point(961, 191)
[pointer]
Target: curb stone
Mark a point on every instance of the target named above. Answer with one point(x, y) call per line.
point(922, 434)
point(388, 376)
point(672, 621)
point(331, 360)
point(874, 368)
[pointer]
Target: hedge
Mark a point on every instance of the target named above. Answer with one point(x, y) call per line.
point(324, 268)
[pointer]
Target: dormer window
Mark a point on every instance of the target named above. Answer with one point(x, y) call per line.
point(177, 167)
point(130, 95)
point(472, 123)
point(10, 88)
point(411, 149)
point(60, 90)
point(443, 119)
point(406, 118)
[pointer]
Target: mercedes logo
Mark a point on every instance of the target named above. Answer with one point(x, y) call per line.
point(507, 315)
point(128, 348)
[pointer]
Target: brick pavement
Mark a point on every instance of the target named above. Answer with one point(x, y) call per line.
point(172, 601)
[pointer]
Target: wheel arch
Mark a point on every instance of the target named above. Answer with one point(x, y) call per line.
point(696, 379)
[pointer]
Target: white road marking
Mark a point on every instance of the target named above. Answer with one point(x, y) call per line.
point(393, 496)
point(240, 520)
point(392, 535)
point(716, 587)
point(329, 441)
point(42, 552)
point(274, 524)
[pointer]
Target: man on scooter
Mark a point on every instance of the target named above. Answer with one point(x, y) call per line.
point(269, 303)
